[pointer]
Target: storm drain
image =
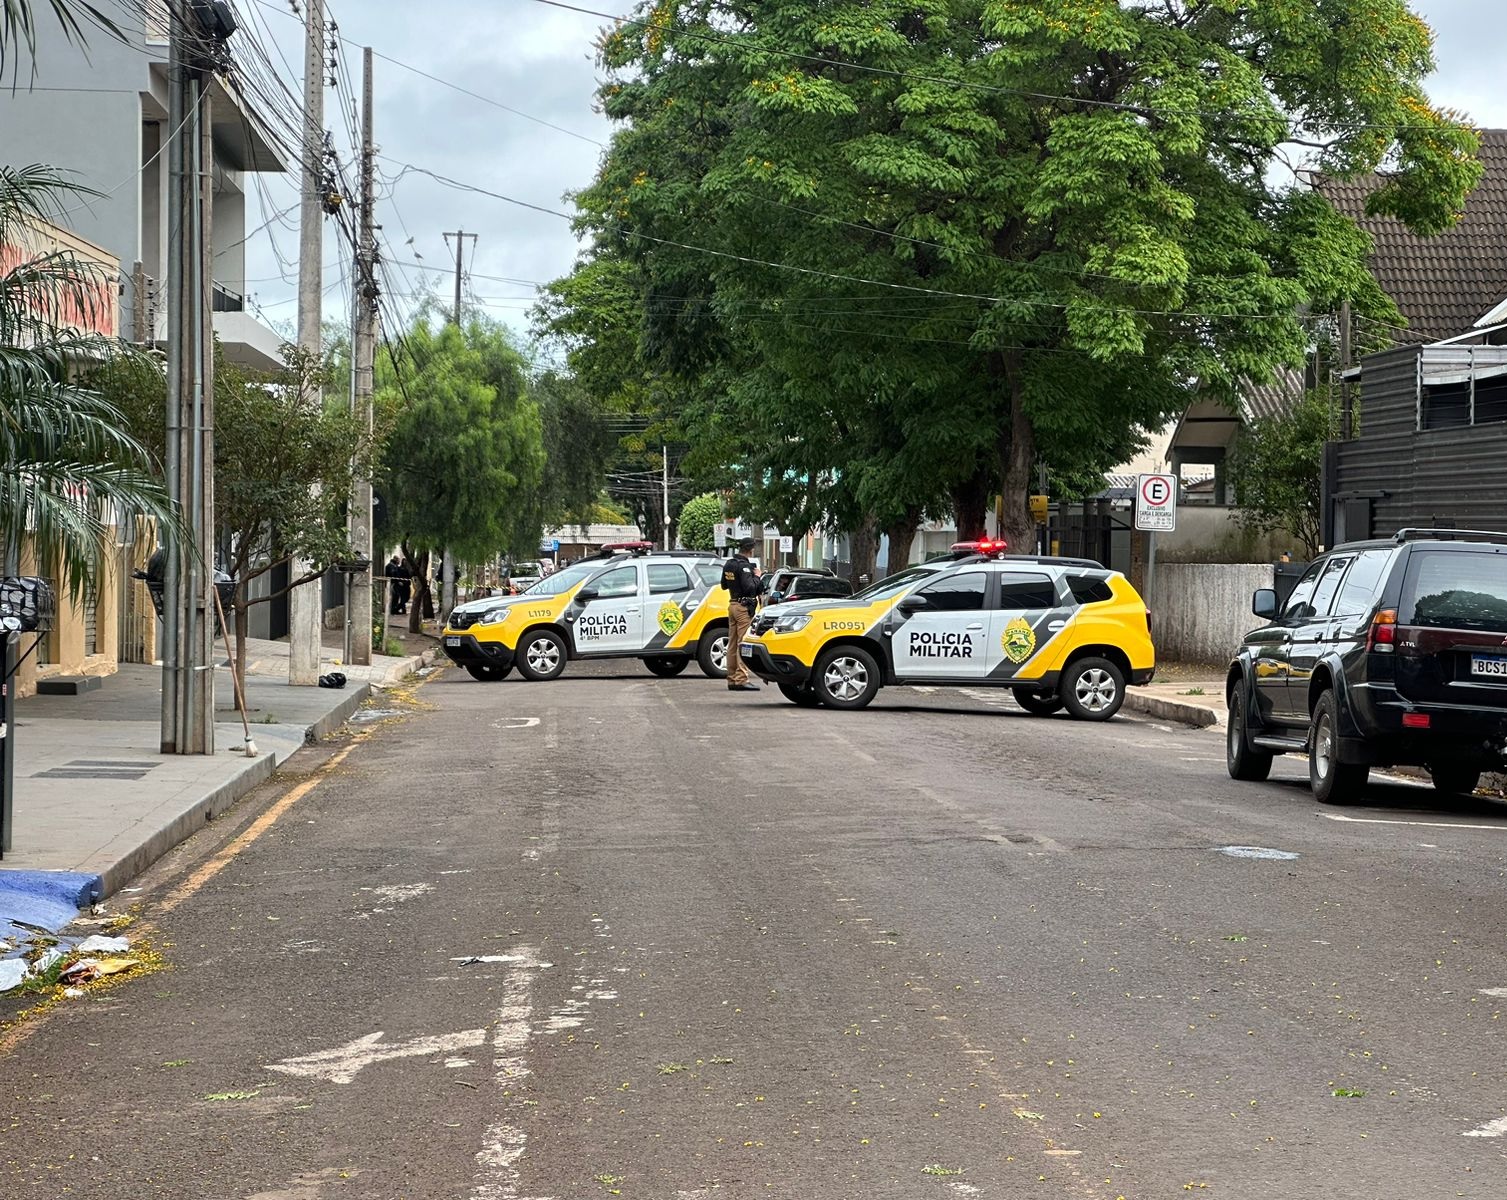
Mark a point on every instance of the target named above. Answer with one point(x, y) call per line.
point(97, 768)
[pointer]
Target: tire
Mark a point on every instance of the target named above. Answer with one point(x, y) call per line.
point(711, 652)
point(1241, 759)
point(541, 655)
point(1333, 782)
point(1093, 689)
point(1454, 780)
point(802, 694)
point(666, 666)
point(846, 677)
point(1035, 703)
point(487, 673)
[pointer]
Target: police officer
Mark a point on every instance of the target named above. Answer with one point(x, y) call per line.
point(744, 586)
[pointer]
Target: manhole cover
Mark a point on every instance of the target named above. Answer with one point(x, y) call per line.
point(1256, 852)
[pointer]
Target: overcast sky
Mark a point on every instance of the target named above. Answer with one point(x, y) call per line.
point(540, 60)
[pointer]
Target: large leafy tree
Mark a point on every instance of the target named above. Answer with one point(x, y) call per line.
point(464, 457)
point(945, 242)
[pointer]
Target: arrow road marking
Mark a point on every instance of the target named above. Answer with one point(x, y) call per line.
point(1497, 1128)
point(343, 1063)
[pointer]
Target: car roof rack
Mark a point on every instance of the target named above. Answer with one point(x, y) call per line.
point(1450, 535)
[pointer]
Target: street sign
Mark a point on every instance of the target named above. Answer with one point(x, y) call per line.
point(1039, 507)
point(787, 544)
point(719, 535)
point(1156, 503)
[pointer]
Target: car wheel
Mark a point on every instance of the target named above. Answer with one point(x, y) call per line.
point(802, 694)
point(1035, 703)
point(846, 677)
point(1093, 689)
point(1241, 759)
point(541, 655)
point(1454, 780)
point(1333, 782)
point(711, 653)
point(487, 672)
point(667, 666)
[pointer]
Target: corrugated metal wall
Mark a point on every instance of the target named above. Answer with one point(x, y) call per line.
point(1445, 477)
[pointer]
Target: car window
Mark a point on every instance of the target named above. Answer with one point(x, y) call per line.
point(1456, 590)
point(621, 581)
point(1300, 602)
point(710, 573)
point(894, 584)
point(1358, 592)
point(562, 581)
point(667, 577)
point(1024, 590)
point(957, 593)
point(1090, 589)
point(1329, 585)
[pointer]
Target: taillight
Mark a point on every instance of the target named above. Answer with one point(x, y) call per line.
point(1415, 720)
point(1148, 621)
point(1383, 636)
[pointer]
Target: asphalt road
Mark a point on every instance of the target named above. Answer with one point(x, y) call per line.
point(618, 935)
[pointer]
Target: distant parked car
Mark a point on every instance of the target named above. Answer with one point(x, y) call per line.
point(1386, 653)
point(522, 576)
point(804, 583)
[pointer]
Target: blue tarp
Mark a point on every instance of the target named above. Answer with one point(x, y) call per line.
point(44, 899)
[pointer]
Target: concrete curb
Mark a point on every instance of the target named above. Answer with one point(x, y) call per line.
point(1171, 710)
point(337, 716)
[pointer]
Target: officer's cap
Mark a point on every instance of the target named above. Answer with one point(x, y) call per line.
point(747, 543)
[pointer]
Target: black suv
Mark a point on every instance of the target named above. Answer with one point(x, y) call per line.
point(1386, 653)
point(804, 583)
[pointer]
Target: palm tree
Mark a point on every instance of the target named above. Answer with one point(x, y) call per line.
point(68, 469)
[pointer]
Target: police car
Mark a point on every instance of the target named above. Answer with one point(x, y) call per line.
point(1059, 632)
point(629, 601)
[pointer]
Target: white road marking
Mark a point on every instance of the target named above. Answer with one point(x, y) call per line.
point(1497, 1128)
point(515, 723)
point(1499, 993)
point(504, 1143)
point(1421, 824)
point(343, 1063)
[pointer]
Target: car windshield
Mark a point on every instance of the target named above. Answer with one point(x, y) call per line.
point(897, 583)
point(562, 581)
point(1457, 590)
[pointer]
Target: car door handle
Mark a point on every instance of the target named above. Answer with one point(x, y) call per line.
point(635, 609)
point(1055, 626)
point(976, 625)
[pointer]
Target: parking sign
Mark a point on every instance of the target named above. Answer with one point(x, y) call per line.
point(1156, 503)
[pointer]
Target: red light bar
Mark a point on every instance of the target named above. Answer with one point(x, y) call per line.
point(982, 546)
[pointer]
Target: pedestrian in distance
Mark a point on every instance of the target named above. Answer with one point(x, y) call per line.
point(400, 575)
point(745, 584)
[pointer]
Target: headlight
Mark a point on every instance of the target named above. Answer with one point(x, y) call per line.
point(493, 615)
point(792, 622)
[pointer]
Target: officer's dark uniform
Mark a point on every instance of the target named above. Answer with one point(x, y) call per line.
point(744, 588)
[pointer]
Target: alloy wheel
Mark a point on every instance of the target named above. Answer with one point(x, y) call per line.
point(846, 678)
point(1096, 690)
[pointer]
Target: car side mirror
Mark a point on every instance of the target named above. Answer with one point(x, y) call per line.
point(913, 604)
point(587, 594)
point(1264, 603)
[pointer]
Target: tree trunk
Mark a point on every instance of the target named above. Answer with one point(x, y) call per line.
point(863, 543)
point(418, 588)
point(970, 499)
point(1017, 462)
point(902, 532)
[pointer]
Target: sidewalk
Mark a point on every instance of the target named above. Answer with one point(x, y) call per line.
point(1197, 702)
point(95, 803)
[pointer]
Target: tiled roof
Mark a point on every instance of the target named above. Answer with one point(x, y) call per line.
point(1443, 283)
point(1270, 399)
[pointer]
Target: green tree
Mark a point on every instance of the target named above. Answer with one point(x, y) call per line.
point(935, 244)
point(464, 457)
point(66, 463)
point(698, 518)
point(1277, 469)
point(270, 447)
point(578, 445)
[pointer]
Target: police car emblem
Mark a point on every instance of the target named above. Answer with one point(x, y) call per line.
point(670, 617)
point(1018, 641)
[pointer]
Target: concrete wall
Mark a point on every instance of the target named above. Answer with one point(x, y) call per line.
point(1200, 611)
point(1212, 534)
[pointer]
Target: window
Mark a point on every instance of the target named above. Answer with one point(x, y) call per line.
point(1358, 593)
point(1027, 591)
point(957, 593)
point(1089, 589)
point(710, 573)
point(667, 577)
point(1300, 600)
point(622, 581)
point(1329, 585)
point(1456, 590)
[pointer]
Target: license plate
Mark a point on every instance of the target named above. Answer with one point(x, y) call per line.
point(746, 651)
point(1481, 664)
point(452, 641)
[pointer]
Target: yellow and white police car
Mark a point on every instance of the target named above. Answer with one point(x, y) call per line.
point(630, 601)
point(1060, 633)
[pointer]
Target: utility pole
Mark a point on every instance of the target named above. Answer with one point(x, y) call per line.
point(358, 604)
point(460, 236)
point(305, 604)
point(447, 567)
point(188, 712)
point(664, 452)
